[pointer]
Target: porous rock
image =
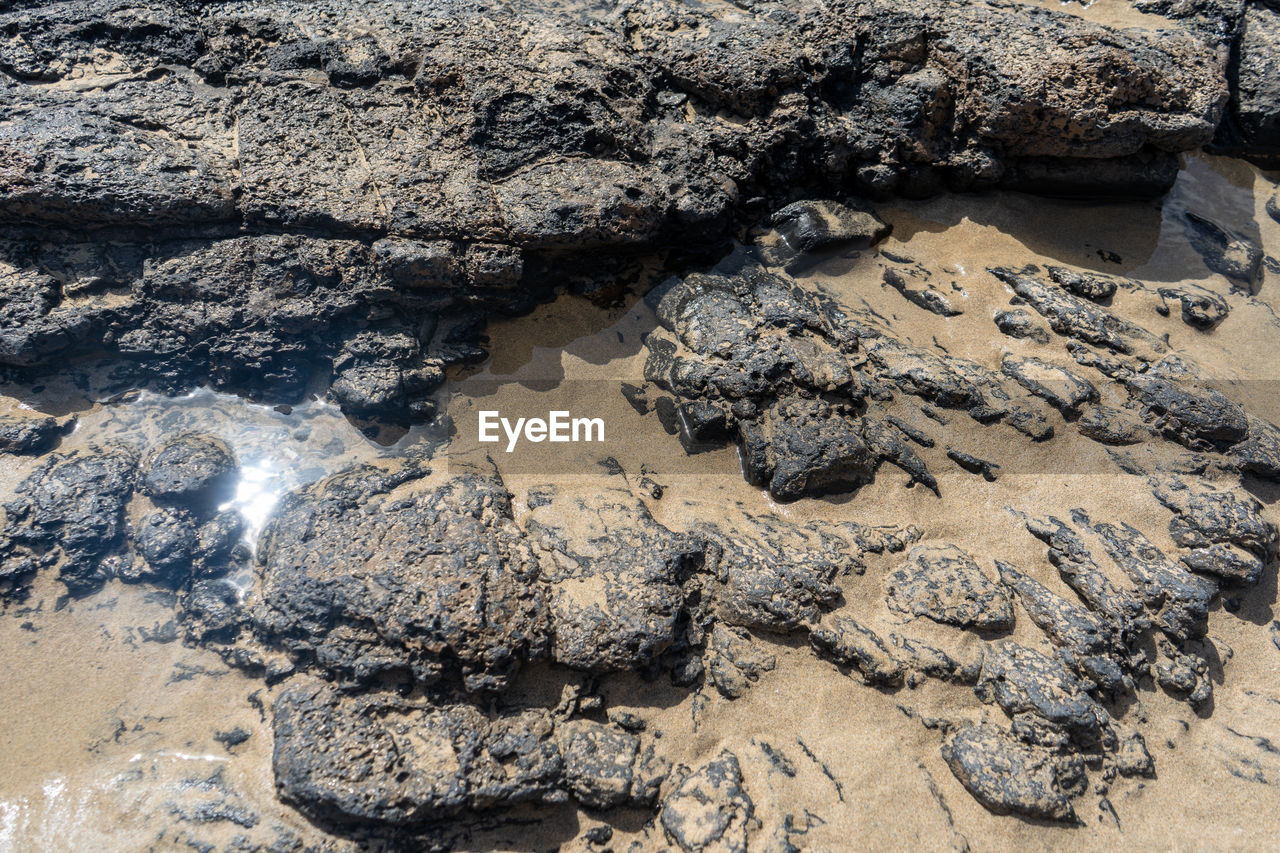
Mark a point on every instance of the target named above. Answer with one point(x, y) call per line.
point(418, 579)
point(945, 584)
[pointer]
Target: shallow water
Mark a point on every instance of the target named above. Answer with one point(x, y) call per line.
point(104, 727)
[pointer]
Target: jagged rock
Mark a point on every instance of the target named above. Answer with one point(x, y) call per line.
point(926, 297)
point(612, 575)
point(1225, 534)
point(385, 372)
point(806, 227)
point(74, 504)
point(433, 126)
point(1086, 642)
point(1187, 411)
point(850, 644)
point(1182, 673)
point(806, 447)
point(196, 469)
point(1179, 599)
point(378, 758)
point(955, 383)
point(1256, 120)
point(418, 579)
point(934, 662)
point(1017, 323)
point(775, 575)
point(1076, 566)
point(1107, 425)
point(1006, 775)
point(945, 584)
point(1075, 318)
point(709, 810)
point(1023, 680)
point(734, 662)
point(1058, 386)
point(22, 434)
point(1259, 453)
point(1090, 285)
point(1201, 308)
point(1131, 756)
point(605, 767)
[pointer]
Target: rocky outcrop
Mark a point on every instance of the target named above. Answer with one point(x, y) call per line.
point(237, 198)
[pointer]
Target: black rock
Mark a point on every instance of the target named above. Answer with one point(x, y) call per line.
point(75, 502)
point(195, 469)
point(377, 758)
point(418, 580)
point(1006, 775)
point(21, 434)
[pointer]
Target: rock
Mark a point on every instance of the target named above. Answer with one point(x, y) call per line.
point(806, 447)
point(1017, 323)
point(612, 575)
point(1259, 454)
point(1022, 680)
point(813, 226)
point(931, 661)
point(927, 297)
point(1225, 534)
point(168, 540)
point(974, 465)
point(1179, 599)
point(1090, 285)
point(309, 121)
point(709, 810)
point(419, 580)
point(773, 575)
point(1006, 775)
point(1184, 674)
point(1255, 121)
point(1086, 642)
point(196, 469)
point(378, 758)
point(850, 644)
point(1107, 425)
point(1131, 756)
point(734, 662)
point(22, 434)
point(383, 373)
point(218, 538)
point(212, 611)
point(1057, 386)
point(1188, 411)
point(1078, 569)
point(605, 767)
point(1075, 318)
point(74, 504)
point(1201, 308)
point(1225, 252)
point(945, 584)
